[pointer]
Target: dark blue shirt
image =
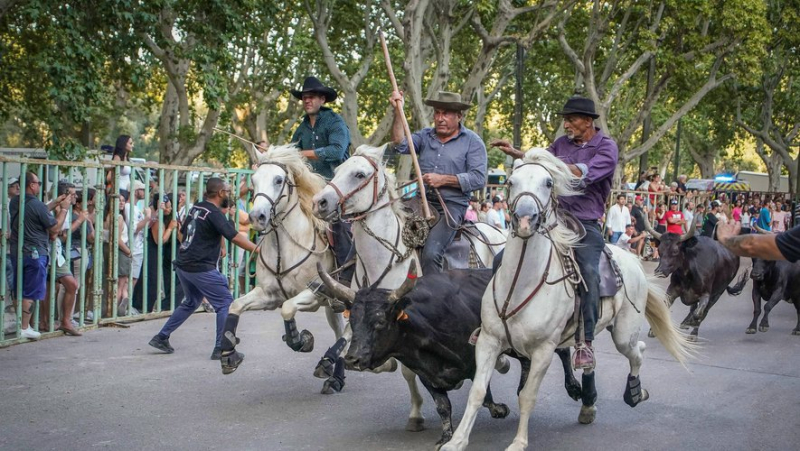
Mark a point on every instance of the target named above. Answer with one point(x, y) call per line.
point(329, 138)
point(463, 156)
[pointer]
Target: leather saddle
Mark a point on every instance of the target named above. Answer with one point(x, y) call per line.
point(610, 274)
point(460, 254)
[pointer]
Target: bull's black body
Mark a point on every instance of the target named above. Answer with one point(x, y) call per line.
point(700, 271)
point(427, 330)
point(773, 281)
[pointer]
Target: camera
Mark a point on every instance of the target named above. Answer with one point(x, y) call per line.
point(165, 199)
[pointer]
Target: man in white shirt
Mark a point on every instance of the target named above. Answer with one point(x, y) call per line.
point(618, 217)
point(631, 238)
point(688, 214)
point(141, 218)
point(495, 216)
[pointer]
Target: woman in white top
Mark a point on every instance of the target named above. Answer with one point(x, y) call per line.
point(122, 152)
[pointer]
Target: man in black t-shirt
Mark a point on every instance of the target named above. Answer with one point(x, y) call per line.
point(711, 220)
point(767, 246)
point(196, 264)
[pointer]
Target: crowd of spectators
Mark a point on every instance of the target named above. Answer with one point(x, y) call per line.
point(673, 208)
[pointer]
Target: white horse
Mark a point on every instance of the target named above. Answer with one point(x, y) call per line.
point(364, 193)
point(544, 308)
point(293, 243)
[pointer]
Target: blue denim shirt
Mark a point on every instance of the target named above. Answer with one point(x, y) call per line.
point(463, 156)
point(597, 159)
point(329, 138)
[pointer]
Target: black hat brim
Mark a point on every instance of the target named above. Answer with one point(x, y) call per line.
point(330, 94)
point(567, 111)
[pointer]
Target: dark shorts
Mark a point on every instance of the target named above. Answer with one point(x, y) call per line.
point(34, 277)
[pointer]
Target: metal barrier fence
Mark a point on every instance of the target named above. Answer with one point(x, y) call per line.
point(89, 251)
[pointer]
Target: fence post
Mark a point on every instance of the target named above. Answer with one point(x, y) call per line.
point(4, 251)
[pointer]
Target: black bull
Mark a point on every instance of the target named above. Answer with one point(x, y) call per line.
point(773, 281)
point(426, 325)
point(700, 271)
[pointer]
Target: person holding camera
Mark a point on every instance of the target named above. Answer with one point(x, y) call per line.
point(168, 224)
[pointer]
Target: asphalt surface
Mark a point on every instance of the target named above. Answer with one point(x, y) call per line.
point(110, 390)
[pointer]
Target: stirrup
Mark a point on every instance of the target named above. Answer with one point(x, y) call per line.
point(583, 357)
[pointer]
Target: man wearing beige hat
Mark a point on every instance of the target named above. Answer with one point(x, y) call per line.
point(452, 159)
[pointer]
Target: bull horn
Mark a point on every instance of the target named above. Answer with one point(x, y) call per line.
point(341, 292)
point(647, 227)
point(689, 233)
point(408, 284)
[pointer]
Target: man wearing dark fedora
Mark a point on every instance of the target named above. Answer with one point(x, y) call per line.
point(452, 159)
point(324, 139)
point(592, 156)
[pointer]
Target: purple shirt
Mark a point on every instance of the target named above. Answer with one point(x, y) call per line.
point(597, 159)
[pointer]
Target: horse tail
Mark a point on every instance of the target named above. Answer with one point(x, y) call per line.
point(674, 341)
point(736, 290)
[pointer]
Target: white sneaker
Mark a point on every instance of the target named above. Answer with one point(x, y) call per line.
point(30, 334)
point(90, 316)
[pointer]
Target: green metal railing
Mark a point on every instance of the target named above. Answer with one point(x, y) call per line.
point(97, 260)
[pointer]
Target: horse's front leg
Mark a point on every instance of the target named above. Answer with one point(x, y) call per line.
point(255, 299)
point(570, 382)
point(305, 301)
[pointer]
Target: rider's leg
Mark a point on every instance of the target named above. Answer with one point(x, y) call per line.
point(440, 236)
point(587, 256)
point(343, 249)
point(498, 259)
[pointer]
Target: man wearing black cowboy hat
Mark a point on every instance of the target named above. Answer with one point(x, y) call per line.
point(452, 159)
point(323, 138)
point(592, 156)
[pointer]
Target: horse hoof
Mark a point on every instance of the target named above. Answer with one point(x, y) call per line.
point(574, 391)
point(459, 385)
point(415, 424)
point(645, 395)
point(503, 365)
point(499, 411)
point(587, 415)
point(763, 328)
point(796, 332)
point(750, 331)
point(324, 368)
point(684, 326)
point(308, 341)
point(231, 362)
point(332, 385)
point(652, 334)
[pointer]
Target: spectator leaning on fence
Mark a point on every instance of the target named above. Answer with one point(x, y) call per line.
point(495, 216)
point(82, 212)
point(618, 218)
point(124, 255)
point(688, 214)
point(62, 266)
point(141, 219)
point(196, 264)
point(675, 219)
point(39, 227)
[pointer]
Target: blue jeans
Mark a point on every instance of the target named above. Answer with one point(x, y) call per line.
point(614, 237)
point(440, 236)
point(587, 256)
point(210, 284)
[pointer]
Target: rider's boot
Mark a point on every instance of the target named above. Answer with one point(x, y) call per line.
point(299, 342)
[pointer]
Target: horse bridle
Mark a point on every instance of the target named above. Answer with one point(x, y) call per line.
point(544, 209)
point(273, 216)
point(375, 194)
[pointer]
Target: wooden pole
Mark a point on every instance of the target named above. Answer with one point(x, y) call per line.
point(399, 111)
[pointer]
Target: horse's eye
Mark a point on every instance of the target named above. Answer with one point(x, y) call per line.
point(549, 183)
point(278, 180)
point(360, 175)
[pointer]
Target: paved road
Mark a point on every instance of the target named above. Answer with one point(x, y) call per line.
point(109, 390)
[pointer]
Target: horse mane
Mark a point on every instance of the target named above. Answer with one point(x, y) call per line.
point(375, 154)
point(307, 183)
point(565, 183)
